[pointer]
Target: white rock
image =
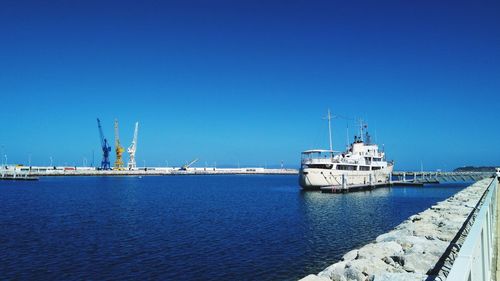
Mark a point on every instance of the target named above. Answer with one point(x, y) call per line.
point(313, 277)
point(380, 250)
point(420, 245)
point(338, 277)
point(400, 277)
point(420, 263)
point(354, 274)
point(393, 235)
point(351, 255)
point(333, 270)
point(372, 266)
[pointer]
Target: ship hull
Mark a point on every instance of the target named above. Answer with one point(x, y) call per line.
point(315, 178)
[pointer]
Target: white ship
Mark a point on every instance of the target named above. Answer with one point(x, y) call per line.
point(361, 164)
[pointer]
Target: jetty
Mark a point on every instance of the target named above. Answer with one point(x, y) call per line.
point(16, 175)
point(456, 239)
point(428, 177)
point(362, 187)
point(404, 179)
point(34, 172)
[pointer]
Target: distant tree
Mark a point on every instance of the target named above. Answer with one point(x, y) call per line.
point(475, 169)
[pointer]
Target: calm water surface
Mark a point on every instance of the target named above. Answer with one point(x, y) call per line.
point(190, 227)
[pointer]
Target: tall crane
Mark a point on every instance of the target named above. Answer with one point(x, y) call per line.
point(118, 149)
point(132, 149)
point(105, 148)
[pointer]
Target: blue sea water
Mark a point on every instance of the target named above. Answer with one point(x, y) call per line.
point(190, 227)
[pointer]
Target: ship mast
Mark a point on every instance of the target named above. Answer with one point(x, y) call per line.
point(329, 117)
point(361, 129)
point(347, 137)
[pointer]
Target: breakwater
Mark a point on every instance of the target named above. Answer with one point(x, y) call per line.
point(149, 171)
point(413, 250)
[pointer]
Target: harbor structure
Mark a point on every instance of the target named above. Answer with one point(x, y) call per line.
point(148, 171)
point(105, 164)
point(118, 149)
point(132, 149)
point(456, 240)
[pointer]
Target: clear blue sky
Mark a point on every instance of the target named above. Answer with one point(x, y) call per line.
point(249, 81)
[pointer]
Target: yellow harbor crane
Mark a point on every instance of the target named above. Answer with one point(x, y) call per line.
point(119, 149)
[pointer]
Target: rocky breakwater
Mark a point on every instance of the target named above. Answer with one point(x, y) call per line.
point(413, 248)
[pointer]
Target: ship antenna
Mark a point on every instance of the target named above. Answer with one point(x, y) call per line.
point(330, 129)
point(361, 129)
point(347, 136)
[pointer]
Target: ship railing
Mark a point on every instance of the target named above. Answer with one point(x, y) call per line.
point(316, 161)
point(474, 261)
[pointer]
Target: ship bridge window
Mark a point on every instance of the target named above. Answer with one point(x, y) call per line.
point(364, 168)
point(376, 168)
point(320, 166)
point(347, 167)
point(377, 159)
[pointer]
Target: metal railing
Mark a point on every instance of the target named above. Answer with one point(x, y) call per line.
point(442, 176)
point(474, 260)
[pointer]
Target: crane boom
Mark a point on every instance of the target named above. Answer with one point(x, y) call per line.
point(118, 149)
point(105, 165)
point(132, 149)
point(185, 167)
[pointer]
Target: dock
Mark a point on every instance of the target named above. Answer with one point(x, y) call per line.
point(32, 173)
point(411, 179)
point(405, 179)
point(362, 187)
point(440, 176)
point(17, 176)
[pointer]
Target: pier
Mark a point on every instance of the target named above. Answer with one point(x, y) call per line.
point(16, 175)
point(406, 179)
point(35, 172)
point(428, 177)
point(456, 239)
point(361, 187)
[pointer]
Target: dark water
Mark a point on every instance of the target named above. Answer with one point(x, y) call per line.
point(190, 227)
